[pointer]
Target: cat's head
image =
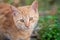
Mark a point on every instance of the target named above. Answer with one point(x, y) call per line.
point(26, 17)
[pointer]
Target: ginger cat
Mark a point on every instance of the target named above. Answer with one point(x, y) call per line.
point(18, 23)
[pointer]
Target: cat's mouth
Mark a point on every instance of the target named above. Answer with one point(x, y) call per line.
point(23, 28)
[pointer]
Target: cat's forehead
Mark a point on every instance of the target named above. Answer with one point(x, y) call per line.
point(26, 11)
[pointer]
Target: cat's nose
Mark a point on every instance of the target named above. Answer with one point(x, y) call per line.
point(27, 24)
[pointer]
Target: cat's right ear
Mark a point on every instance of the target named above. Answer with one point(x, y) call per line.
point(15, 11)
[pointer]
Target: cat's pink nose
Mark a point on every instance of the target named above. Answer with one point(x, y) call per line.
point(27, 24)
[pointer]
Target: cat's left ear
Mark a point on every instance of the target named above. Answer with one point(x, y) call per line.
point(34, 6)
point(15, 11)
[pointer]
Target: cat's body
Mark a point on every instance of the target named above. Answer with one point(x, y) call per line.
point(17, 23)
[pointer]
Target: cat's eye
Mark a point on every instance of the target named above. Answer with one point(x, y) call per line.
point(31, 18)
point(21, 20)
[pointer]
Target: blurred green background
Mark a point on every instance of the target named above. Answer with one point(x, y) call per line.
point(49, 17)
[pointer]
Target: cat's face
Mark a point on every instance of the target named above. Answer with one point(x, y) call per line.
point(26, 17)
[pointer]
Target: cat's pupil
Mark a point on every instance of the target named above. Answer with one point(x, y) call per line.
point(31, 18)
point(21, 20)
